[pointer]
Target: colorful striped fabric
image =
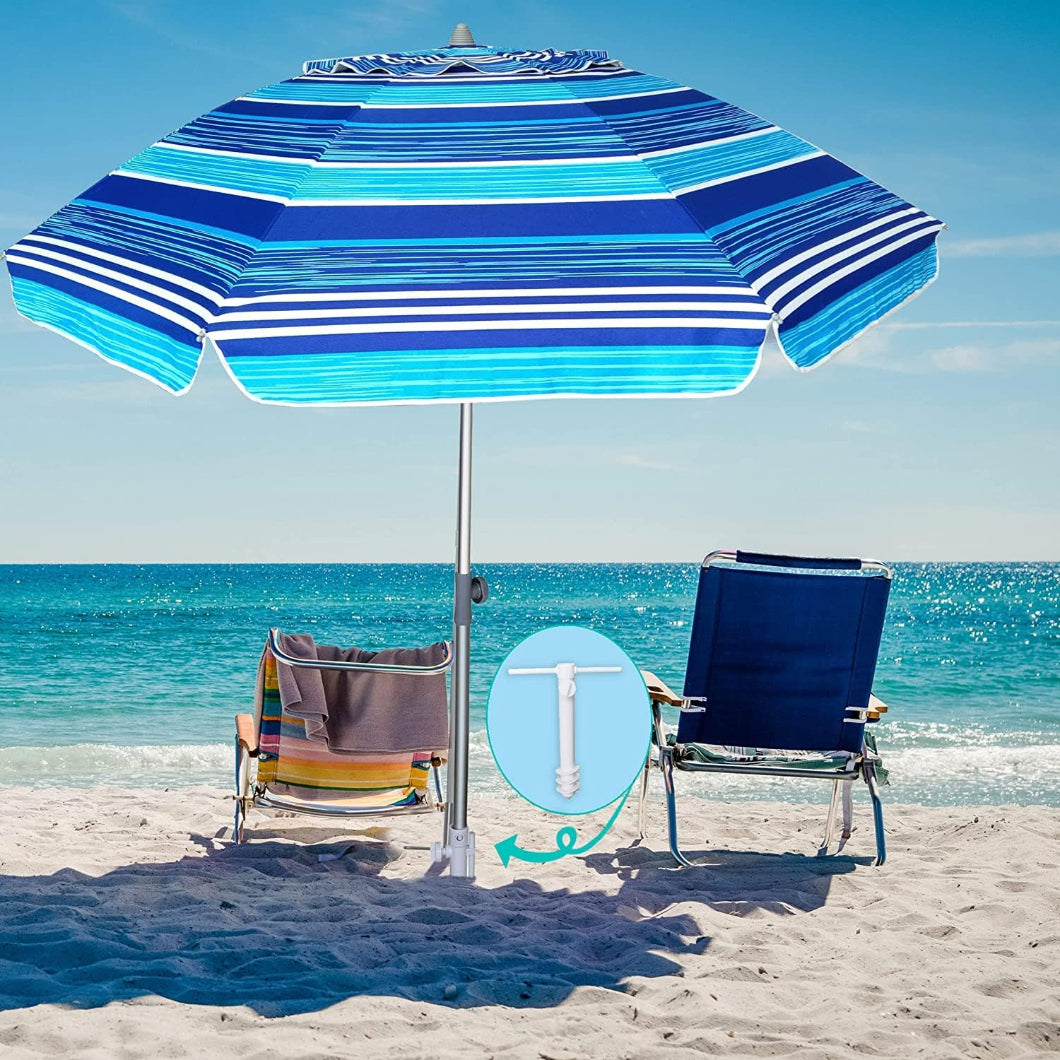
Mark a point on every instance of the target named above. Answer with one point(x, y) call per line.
point(292, 765)
point(473, 224)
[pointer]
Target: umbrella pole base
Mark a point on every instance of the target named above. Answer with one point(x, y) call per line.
point(460, 850)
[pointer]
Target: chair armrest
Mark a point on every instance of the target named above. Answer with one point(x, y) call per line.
point(876, 708)
point(659, 691)
point(246, 734)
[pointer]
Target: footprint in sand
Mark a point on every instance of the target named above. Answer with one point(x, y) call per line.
point(940, 931)
point(1004, 988)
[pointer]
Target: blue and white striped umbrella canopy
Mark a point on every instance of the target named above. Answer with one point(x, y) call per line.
point(473, 224)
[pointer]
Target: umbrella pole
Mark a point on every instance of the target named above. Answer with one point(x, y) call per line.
point(460, 841)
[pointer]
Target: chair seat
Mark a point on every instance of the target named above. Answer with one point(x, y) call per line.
point(341, 803)
point(692, 754)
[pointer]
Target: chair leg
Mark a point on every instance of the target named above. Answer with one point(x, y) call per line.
point(877, 814)
point(446, 806)
point(643, 795)
point(829, 826)
point(239, 824)
point(847, 787)
point(666, 764)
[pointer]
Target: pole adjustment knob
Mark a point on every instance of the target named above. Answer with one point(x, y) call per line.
point(480, 590)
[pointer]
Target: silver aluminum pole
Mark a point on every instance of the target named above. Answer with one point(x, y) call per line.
point(461, 842)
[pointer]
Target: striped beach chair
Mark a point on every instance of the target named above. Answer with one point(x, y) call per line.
point(277, 767)
point(779, 680)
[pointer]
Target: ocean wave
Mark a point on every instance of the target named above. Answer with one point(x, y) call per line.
point(119, 765)
point(935, 775)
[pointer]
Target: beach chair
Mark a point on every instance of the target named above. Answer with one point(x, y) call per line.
point(277, 767)
point(779, 681)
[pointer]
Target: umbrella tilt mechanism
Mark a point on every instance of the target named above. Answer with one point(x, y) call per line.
point(568, 775)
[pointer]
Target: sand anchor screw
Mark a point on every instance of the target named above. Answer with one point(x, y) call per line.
point(568, 775)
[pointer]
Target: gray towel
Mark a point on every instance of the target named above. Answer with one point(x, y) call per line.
point(353, 711)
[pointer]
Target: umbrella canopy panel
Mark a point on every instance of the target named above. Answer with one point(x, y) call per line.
point(473, 224)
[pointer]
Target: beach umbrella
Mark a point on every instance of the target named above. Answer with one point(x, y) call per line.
point(473, 224)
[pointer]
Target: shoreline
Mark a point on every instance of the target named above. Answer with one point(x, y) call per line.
point(131, 926)
point(946, 776)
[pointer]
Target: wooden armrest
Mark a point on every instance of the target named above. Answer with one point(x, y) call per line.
point(659, 691)
point(246, 733)
point(876, 708)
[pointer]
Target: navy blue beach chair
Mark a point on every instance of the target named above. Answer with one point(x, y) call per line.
point(779, 680)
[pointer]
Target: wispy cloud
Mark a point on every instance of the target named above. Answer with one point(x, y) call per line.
point(858, 427)
point(594, 455)
point(982, 358)
point(637, 460)
point(1030, 245)
point(887, 348)
point(966, 358)
point(935, 324)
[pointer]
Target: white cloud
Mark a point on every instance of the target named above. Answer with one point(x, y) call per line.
point(965, 358)
point(883, 348)
point(588, 455)
point(867, 348)
point(986, 358)
point(636, 460)
point(932, 324)
point(1030, 245)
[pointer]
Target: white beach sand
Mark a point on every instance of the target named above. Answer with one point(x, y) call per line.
point(131, 927)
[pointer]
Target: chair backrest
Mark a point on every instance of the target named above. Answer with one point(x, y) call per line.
point(289, 759)
point(781, 646)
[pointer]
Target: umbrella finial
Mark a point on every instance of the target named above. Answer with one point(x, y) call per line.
point(461, 37)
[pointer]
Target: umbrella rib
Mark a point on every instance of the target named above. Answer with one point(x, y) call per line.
point(776, 315)
point(771, 325)
point(285, 202)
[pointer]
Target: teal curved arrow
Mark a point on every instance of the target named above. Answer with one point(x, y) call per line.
point(566, 837)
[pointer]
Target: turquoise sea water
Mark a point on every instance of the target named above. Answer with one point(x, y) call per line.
point(115, 674)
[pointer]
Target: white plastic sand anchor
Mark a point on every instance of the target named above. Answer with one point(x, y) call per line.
point(460, 850)
point(568, 776)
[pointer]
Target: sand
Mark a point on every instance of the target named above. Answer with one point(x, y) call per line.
point(130, 926)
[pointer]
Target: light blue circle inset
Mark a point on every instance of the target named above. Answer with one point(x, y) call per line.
point(612, 720)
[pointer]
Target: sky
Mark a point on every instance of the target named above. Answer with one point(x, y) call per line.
point(934, 437)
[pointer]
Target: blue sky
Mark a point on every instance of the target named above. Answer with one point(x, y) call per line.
point(937, 436)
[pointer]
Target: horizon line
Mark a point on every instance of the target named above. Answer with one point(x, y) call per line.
point(449, 563)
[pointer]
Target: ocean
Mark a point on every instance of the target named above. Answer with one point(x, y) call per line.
point(130, 675)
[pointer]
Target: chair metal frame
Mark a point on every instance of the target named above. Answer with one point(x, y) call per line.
point(248, 793)
point(669, 758)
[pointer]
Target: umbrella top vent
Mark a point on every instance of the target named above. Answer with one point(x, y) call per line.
point(461, 37)
point(465, 59)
